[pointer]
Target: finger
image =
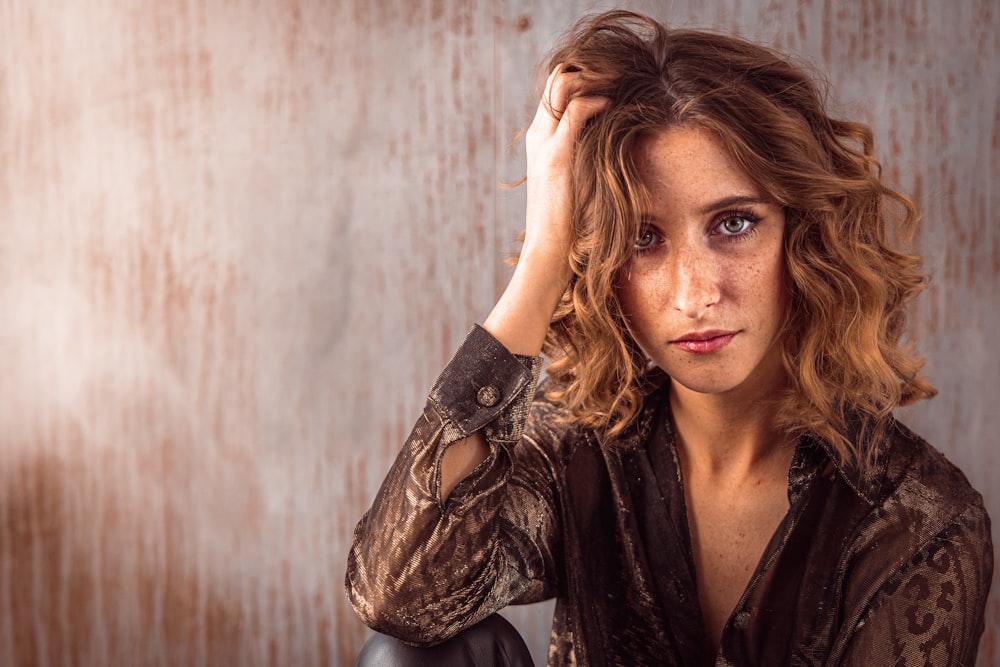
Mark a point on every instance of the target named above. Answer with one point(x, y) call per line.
point(544, 119)
point(579, 111)
point(559, 87)
point(557, 92)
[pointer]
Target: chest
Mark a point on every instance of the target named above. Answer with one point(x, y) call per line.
point(633, 579)
point(729, 529)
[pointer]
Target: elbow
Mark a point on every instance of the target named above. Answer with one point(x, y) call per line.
point(392, 612)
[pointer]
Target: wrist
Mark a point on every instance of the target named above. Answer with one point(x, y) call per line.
point(520, 319)
point(547, 265)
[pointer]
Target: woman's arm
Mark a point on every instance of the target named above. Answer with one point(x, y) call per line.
point(931, 612)
point(423, 568)
point(465, 522)
point(520, 318)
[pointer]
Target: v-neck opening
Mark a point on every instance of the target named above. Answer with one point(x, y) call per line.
point(672, 487)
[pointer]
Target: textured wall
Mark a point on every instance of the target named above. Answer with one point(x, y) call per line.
point(239, 239)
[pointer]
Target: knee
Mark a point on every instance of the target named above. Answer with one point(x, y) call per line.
point(492, 642)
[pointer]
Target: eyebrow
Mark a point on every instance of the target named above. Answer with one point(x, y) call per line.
point(723, 204)
point(730, 202)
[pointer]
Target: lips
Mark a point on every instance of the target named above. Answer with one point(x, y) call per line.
point(704, 342)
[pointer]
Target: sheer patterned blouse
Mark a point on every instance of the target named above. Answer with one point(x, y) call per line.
point(887, 568)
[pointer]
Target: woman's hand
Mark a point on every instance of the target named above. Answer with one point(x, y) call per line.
point(521, 317)
point(551, 143)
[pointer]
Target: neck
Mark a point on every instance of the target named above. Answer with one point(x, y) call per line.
point(729, 434)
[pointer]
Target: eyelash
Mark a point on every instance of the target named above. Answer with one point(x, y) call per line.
point(736, 215)
point(642, 250)
point(736, 237)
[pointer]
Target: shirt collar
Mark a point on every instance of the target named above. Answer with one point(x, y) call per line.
point(813, 454)
point(865, 480)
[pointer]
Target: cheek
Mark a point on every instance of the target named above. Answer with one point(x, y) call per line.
point(763, 287)
point(635, 298)
point(627, 301)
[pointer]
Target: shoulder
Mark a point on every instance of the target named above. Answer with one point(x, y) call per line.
point(922, 483)
point(926, 514)
point(551, 427)
point(922, 565)
point(939, 494)
point(552, 424)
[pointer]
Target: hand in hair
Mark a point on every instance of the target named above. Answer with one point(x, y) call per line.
point(522, 315)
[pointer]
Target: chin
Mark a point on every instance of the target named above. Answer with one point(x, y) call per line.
point(720, 377)
point(705, 385)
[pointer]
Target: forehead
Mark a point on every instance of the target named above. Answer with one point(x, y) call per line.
point(690, 164)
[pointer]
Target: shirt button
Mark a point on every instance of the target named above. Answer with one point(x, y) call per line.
point(488, 396)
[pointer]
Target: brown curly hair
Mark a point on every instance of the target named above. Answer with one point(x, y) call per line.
point(841, 346)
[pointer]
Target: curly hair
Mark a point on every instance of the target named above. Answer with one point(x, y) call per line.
point(841, 343)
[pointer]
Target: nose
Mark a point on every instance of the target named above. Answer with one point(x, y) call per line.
point(695, 280)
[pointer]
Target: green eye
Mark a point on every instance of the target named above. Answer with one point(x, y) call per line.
point(646, 239)
point(735, 225)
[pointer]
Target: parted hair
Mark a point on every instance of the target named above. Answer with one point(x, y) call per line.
point(850, 282)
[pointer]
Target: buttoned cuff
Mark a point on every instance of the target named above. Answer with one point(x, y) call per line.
point(486, 387)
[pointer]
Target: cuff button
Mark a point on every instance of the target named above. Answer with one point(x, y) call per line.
point(488, 396)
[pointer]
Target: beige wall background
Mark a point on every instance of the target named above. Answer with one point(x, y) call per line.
point(240, 238)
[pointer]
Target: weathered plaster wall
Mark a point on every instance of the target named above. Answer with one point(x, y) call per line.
point(239, 239)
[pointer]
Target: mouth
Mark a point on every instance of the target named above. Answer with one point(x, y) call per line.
point(704, 342)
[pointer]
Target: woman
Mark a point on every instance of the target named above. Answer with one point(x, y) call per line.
point(711, 473)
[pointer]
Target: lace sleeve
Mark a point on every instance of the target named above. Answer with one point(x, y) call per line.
point(931, 611)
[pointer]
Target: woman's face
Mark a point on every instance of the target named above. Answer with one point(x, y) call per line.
point(705, 291)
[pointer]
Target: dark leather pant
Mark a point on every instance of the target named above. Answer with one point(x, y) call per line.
point(492, 642)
